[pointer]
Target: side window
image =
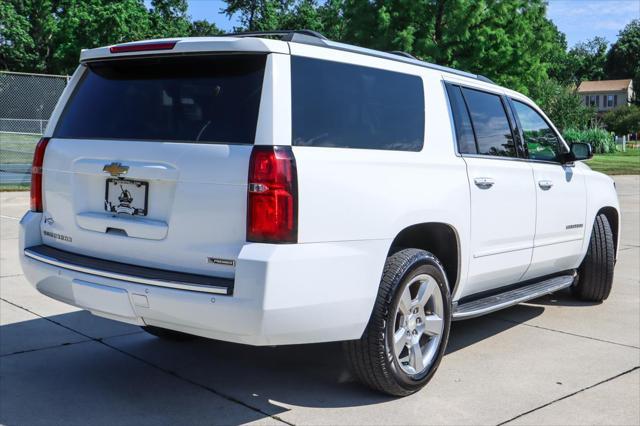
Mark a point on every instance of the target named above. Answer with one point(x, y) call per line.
point(540, 140)
point(493, 132)
point(348, 106)
point(464, 131)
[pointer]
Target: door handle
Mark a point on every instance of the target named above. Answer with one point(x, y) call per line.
point(483, 182)
point(545, 184)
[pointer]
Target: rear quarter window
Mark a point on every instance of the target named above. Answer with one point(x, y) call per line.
point(213, 99)
point(349, 106)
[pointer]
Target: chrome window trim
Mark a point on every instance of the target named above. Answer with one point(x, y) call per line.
point(504, 99)
point(496, 157)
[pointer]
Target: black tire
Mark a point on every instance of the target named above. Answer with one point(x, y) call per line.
point(167, 334)
point(370, 358)
point(595, 275)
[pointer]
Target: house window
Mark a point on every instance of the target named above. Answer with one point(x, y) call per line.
point(593, 100)
point(610, 100)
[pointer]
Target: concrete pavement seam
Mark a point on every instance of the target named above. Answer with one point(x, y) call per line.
point(11, 276)
point(193, 382)
point(150, 364)
point(8, 217)
point(566, 332)
point(631, 370)
point(26, 351)
point(87, 337)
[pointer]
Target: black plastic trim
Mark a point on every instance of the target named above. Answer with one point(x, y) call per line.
point(166, 277)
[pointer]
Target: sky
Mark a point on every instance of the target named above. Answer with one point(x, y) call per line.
point(580, 20)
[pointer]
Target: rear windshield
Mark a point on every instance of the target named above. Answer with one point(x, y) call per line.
point(212, 99)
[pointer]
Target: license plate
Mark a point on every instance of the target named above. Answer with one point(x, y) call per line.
point(126, 196)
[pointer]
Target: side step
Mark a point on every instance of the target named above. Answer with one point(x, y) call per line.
point(509, 298)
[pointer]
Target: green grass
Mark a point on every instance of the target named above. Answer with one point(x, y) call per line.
point(17, 148)
point(619, 163)
point(14, 187)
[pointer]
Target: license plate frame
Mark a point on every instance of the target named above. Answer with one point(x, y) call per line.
point(131, 207)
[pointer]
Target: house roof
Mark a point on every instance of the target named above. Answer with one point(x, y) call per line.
point(605, 85)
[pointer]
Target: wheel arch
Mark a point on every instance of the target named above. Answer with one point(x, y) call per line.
point(613, 216)
point(439, 238)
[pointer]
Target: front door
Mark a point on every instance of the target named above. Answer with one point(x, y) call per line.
point(560, 197)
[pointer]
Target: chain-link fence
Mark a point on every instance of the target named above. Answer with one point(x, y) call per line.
point(26, 103)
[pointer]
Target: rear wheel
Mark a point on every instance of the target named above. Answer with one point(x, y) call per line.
point(595, 275)
point(167, 334)
point(407, 333)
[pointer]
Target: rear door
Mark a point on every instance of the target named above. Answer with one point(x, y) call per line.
point(560, 194)
point(503, 200)
point(148, 161)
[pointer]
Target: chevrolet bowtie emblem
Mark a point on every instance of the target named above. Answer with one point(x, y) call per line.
point(116, 169)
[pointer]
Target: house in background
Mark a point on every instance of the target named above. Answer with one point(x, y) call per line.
point(606, 94)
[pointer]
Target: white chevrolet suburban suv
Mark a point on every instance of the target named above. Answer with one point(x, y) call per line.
point(281, 188)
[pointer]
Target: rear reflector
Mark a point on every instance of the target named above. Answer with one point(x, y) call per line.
point(142, 47)
point(272, 202)
point(36, 175)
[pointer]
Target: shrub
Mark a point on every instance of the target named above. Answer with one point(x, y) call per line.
point(601, 141)
point(623, 120)
point(562, 105)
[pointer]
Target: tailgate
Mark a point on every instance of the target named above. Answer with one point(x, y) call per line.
point(148, 162)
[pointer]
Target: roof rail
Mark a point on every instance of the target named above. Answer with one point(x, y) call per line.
point(402, 53)
point(317, 39)
point(298, 36)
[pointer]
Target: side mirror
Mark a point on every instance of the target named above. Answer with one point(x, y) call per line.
point(579, 151)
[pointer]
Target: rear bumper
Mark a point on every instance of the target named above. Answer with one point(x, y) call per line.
point(282, 294)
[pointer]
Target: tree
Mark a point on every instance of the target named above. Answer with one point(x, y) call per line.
point(47, 35)
point(87, 24)
point(509, 42)
point(584, 61)
point(16, 44)
point(623, 60)
point(562, 105)
point(268, 15)
point(259, 15)
point(32, 36)
point(169, 18)
point(204, 28)
point(623, 120)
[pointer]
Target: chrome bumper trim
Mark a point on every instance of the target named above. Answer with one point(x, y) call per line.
point(122, 277)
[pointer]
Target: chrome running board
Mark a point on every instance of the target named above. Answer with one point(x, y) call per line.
point(512, 297)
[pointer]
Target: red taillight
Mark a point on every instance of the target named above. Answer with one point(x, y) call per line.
point(141, 47)
point(36, 175)
point(272, 207)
